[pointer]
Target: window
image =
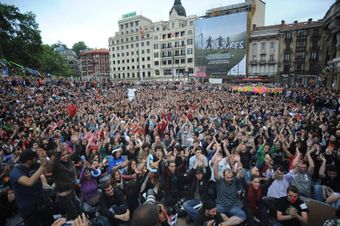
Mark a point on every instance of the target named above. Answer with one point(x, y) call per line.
point(272, 45)
point(189, 51)
point(288, 35)
point(254, 47)
point(189, 42)
point(314, 56)
point(142, 44)
point(148, 51)
point(156, 63)
point(190, 32)
point(169, 62)
point(155, 46)
point(263, 46)
point(287, 57)
point(182, 61)
point(191, 22)
point(164, 62)
point(254, 57)
point(190, 60)
point(131, 38)
point(156, 55)
point(147, 43)
point(271, 57)
point(131, 45)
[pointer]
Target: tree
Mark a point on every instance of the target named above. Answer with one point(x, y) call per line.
point(20, 39)
point(53, 63)
point(77, 47)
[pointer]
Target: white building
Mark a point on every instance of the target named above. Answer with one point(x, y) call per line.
point(167, 49)
point(264, 51)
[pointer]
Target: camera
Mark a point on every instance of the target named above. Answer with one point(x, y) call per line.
point(150, 197)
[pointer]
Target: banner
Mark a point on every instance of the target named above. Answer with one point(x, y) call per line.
point(220, 45)
point(257, 89)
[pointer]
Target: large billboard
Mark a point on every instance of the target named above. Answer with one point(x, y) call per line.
point(220, 45)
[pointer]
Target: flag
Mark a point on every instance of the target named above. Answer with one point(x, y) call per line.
point(141, 32)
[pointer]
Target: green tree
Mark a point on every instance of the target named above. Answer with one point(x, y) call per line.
point(20, 39)
point(53, 63)
point(77, 47)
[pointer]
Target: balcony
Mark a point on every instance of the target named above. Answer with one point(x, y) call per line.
point(253, 62)
point(263, 62)
point(271, 62)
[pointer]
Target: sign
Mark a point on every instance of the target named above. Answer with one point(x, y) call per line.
point(221, 45)
point(131, 94)
point(128, 15)
point(215, 80)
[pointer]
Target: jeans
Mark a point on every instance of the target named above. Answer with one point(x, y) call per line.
point(318, 193)
point(189, 207)
point(233, 212)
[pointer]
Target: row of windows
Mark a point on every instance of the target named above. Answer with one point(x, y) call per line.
point(263, 57)
point(132, 45)
point(263, 46)
point(156, 55)
point(164, 62)
point(176, 34)
point(132, 60)
point(133, 75)
point(300, 56)
point(132, 67)
point(128, 39)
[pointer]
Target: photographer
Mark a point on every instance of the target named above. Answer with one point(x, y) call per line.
point(209, 216)
point(27, 187)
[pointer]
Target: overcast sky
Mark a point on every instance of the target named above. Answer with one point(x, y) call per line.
point(93, 21)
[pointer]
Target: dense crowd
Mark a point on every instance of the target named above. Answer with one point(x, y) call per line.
point(202, 150)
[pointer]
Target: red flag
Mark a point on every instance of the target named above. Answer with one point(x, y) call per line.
point(72, 110)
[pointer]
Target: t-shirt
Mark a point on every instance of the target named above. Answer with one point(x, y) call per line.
point(303, 181)
point(284, 206)
point(227, 194)
point(25, 196)
point(202, 219)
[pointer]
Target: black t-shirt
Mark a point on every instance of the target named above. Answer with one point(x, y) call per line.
point(202, 219)
point(284, 206)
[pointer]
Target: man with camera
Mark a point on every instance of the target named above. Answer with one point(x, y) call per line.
point(27, 186)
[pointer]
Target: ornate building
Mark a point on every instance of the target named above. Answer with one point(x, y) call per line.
point(299, 53)
point(330, 53)
point(264, 51)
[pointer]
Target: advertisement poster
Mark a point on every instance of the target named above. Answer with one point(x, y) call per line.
point(220, 46)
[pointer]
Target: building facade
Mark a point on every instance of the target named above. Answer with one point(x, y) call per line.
point(162, 50)
point(330, 51)
point(94, 64)
point(299, 53)
point(263, 51)
point(70, 56)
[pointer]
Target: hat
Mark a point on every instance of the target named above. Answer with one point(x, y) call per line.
point(115, 150)
point(27, 155)
point(209, 204)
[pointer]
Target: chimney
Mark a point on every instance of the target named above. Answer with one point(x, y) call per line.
point(254, 26)
point(310, 20)
point(282, 22)
point(295, 22)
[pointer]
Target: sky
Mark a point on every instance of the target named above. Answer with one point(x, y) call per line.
point(94, 21)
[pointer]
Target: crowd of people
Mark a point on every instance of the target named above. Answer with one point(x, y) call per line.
point(202, 150)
